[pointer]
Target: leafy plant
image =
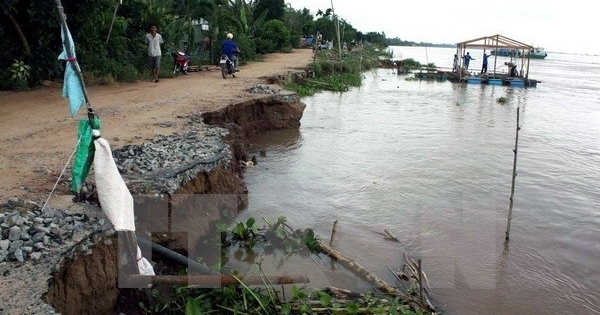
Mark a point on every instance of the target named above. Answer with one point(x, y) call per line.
point(245, 233)
point(19, 70)
point(19, 74)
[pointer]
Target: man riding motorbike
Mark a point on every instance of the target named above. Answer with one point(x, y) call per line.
point(230, 48)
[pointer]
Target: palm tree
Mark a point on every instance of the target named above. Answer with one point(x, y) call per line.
point(188, 14)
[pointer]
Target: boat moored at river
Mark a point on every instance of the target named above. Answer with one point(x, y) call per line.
point(533, 53)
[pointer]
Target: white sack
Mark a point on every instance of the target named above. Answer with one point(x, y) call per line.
point(144, 265)
point(115, 199)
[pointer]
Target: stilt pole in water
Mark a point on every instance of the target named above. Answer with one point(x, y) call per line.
point(420, 281)
point(514, 176)
point(333, 230)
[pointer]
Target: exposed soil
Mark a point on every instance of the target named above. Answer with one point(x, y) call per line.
point(38, 137)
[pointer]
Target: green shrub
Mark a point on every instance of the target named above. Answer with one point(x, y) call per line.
point(105, 80)
point(127, 73)
point(7, 83)
point(273, 37)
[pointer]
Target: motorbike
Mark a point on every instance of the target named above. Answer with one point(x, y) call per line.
point(181, 62)
point(227, 66)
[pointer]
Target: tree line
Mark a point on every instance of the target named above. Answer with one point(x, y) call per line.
point(109, 34)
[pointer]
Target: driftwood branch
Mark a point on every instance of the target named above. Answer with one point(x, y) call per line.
point(388, 236)
point(360, 270)
point(419, 275)
point(409, 271)
point(414, 269)
point(335, 310)
point(344, 293)
point(391, 236)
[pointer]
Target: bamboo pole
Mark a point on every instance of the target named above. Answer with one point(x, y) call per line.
point(337, 30)
point(127, 258)
point(420, 281)
point(213, 281)
point(112, 22)
point(67, 44)
point(514, 176)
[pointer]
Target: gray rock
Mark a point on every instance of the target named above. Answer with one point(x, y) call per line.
point(14, 246)
point(36, 255)
point(38, 236)
point(15, 219)
point(14, 233)
point(4, 244)
point(19, 255)
point(47, 213)
point(25, 236)
point(43, 229)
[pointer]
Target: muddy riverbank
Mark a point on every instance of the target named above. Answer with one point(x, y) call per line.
point(67, 252)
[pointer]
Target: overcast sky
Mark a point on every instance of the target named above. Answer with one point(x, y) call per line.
point(559, 26)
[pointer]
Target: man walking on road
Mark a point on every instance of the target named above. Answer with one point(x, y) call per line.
point(154, 40)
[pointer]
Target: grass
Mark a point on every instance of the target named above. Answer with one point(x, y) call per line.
point(333, 74)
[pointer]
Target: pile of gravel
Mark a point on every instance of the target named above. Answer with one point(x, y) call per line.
point(28, 232)
point(284, 95)
point(262, 89)
point(162, 164)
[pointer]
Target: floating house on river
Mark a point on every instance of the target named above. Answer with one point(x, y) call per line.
point(513, 72)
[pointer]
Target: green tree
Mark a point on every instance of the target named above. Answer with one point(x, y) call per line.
point(325, 26)
point(375, 38)
point(299, 22)
point(8, 7)
point(306, 22)
point(275, 9)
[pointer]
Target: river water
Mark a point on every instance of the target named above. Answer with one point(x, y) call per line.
point(432, 163)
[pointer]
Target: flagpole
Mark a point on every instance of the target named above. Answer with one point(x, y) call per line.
point(70, 57)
